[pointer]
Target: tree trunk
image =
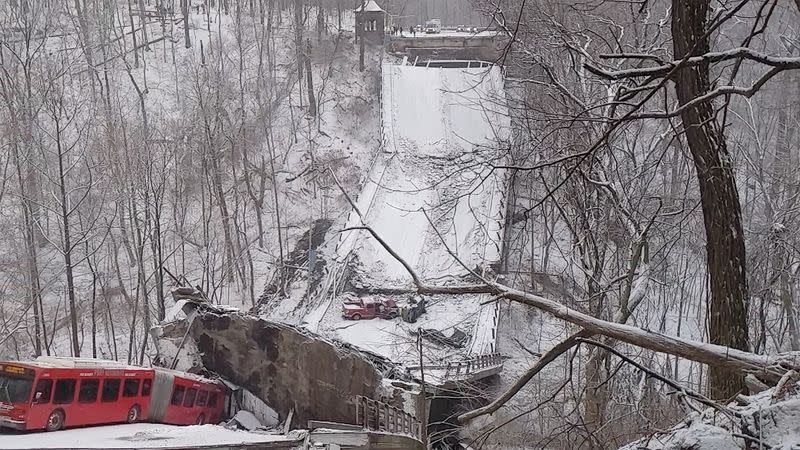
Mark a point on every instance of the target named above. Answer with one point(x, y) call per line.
point(298, 38)
point(67, 247)
point(187, 41)
point(320, 21)
point(274, 180)
point(312, 101)
point(142, 282)
point(360, 31)
point(156, 246)
point(781, 258)
point(143, 23)
point(86, 43)
point(34, 288)
point(133, 36)
point(727, 311)
point(94, 301)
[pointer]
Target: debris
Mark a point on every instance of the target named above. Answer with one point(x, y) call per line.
point(786, 385)
point(288, 424)
point(410, 314)
point(189, 293)
point(456, 340)
point(754, 385)
point(246, 420)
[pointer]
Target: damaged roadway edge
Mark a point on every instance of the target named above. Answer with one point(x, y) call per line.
point(290, 368)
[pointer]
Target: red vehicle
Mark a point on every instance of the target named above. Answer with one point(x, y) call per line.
point(52, 393)
point(370, 308)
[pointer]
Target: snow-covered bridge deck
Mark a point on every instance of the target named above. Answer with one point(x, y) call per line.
point(431, 190)
point(484, 45)
point(432, 187)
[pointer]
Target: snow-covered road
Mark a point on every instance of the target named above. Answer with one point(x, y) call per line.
point(143, 435)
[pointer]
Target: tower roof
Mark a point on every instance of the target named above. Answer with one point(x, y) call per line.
point(370, 6)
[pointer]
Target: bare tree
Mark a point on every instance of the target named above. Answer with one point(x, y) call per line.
point(719, 196)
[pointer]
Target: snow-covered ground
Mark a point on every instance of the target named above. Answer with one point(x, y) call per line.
point(141, 435)
point(769, 420)
point(396, 339)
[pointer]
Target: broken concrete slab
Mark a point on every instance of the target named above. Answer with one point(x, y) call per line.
point(285, 366)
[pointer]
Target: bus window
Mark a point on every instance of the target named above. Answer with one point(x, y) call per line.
point(212, 400)
point(177, 395)
point(146, 386)
point(111, 389)
point(202, 396)
point(43, 390)
point(88, 391)
point(65, 391)
point(15, 389)
point(188, 402)
point(130, 388)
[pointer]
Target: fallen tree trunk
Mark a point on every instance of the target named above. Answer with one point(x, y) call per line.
point(769, 368)
point(766, 367)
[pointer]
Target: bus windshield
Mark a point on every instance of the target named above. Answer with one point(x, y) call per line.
point(15, 390)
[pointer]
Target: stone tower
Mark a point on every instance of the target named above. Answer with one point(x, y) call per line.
point(370, 22)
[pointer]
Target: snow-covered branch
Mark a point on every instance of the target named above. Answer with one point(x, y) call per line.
point(739, 53)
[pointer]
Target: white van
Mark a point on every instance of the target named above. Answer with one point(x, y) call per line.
point(433, 26)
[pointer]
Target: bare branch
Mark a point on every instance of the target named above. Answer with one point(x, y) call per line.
point(783, 63)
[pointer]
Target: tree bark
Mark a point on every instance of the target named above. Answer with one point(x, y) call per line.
point(298, 38)
point(67, 244)
point(133, 36)
point(187, 41)
point(86, 43)
point(93, 271)
point(143, 23)
point(312, 101)
point(727, 311)
point(360, 33)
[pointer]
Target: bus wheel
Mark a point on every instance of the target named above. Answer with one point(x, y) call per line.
point(201, 419)
point(55, 421)
point(133, 414)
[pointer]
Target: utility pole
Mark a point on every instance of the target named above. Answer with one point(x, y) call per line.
point(424, 416)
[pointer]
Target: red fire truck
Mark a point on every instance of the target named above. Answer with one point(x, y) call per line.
point(52, 393)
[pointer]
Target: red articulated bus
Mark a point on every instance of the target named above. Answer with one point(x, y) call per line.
point(51, 393)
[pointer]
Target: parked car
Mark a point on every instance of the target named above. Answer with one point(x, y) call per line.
point(433, 26)
point(370, 308)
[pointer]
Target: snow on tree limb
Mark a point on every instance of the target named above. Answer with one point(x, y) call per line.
point(779, 62)
point(767, 367)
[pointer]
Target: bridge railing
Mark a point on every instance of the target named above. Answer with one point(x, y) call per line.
point(455, 369)
point(464, 367)
point(374, 415)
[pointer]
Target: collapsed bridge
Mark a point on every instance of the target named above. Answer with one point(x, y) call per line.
point(435, 194)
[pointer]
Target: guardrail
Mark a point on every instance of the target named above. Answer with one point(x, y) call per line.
point(454, 369)
point(374, 415)
point(464, 367)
